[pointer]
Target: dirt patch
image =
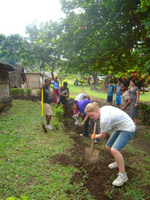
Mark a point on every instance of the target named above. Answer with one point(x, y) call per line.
point(96, 177)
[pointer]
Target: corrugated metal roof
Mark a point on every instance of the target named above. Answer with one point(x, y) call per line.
point(6, 67)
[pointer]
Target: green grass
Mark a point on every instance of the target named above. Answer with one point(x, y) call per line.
point(25, 156)
point(27, 170)
point(100, 94)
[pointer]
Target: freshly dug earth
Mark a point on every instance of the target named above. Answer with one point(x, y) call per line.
point(97, 177)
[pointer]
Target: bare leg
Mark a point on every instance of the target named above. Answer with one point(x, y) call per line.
point(135, 120)
point(48, 119)
point(119, 159)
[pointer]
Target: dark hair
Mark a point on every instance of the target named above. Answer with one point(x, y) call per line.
point(47, 80)
point(125, 84)
point(71, 103)
point(65, 83)
point(133, 81)
point(110, 81)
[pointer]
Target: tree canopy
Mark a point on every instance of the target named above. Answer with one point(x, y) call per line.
point(97, 36)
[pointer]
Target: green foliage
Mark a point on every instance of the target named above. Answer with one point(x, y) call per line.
point(28, 91)
point(21, 91)
point(145, 110)
point(15, 91)
point(23, 197)
point(59, 112)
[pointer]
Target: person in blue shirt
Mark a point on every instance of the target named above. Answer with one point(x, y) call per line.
point(118, 93)
point(55, 89)
point(80, 106)
point(110, 90)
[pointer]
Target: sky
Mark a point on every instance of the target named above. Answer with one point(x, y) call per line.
point(15, 15)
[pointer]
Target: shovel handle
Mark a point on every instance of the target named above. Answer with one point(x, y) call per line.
point(94, 130)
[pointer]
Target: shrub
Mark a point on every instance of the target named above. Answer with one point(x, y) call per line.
point(38, 93)
point(28, 92)
point(21, 92)
point(59, 112)
point(15, 92)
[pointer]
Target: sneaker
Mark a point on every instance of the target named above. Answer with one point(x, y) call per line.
point(81, 135)
point(49, 127)
point(120, 180)
point(113, 165)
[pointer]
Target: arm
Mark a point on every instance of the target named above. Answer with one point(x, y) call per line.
point(67, 93)
point(137, 97)
point(127, 104)
point(101, 135)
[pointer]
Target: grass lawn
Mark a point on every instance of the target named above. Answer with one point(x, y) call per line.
point(86, 89)
point(27, 171)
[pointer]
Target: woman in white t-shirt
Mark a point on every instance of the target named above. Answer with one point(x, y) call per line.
point(124, 130)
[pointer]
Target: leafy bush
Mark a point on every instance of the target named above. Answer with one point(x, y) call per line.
point(28, 92)
point(15, 92)
point(21, 90)
point(59, 112)
point(145, 110)
point(38, 93)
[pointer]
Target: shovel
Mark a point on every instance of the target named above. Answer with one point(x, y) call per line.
point(92, 154)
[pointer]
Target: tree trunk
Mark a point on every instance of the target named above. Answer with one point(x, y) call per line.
point(95, 78)
point(52, 72)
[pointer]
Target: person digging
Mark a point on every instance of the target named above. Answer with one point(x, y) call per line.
point(46, 103)
point(80, 106)
point(124, 130)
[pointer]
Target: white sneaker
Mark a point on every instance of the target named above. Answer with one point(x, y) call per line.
point(120, 180)
point(113, 165)
point(49, 127)
point(81, 135)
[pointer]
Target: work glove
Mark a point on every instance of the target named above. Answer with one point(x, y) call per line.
point(93, 136)
point(75, 116)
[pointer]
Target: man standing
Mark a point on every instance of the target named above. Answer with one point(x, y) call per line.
point(46, 103)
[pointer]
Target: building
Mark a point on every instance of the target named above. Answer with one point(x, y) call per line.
point(5, 92)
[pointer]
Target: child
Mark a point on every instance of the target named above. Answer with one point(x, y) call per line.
point(63, 94)
point(118, 94)
point(124, 130)
point(110, 90)
point(55, 83)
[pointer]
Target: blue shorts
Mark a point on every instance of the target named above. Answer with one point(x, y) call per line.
point(118, 100)
point(109, 98)
point(119, 139)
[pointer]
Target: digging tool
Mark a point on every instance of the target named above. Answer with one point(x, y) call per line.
point(43, 125)
point(92, 154)
point(76, 120)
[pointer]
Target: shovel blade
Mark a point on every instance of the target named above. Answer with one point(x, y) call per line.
point(91, 156)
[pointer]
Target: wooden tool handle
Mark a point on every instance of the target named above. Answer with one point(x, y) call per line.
point(94, 131)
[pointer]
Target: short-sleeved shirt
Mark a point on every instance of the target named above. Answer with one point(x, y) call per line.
point(46, 94)
point(110, 89)
point(55, 85)
point(125, 96)
point(82, 104)
point(80, 97)
point(118, 88)
point(112, 117)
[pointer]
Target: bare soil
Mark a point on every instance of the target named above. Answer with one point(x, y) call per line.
point(97, 177)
